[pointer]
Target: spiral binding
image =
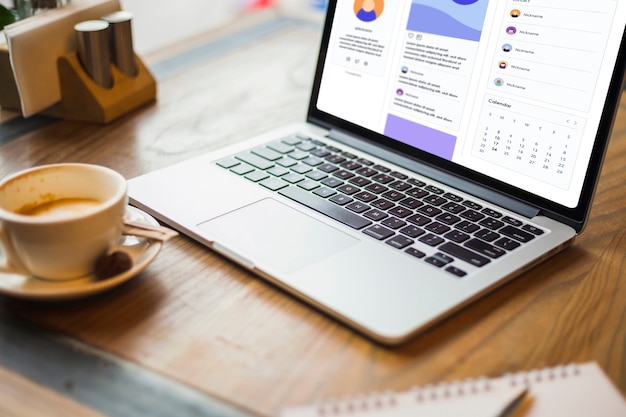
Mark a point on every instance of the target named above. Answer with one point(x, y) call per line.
point(440, 392)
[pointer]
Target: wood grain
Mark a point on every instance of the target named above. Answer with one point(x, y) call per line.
point(20, 397)
point(200, 319)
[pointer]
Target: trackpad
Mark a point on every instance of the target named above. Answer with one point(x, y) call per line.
point(270, 233)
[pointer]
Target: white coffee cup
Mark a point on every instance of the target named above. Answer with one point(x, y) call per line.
point(57, 220)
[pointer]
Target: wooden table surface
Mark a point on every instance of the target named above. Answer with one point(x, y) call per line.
point(198, 319)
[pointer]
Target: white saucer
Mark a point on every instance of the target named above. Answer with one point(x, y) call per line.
point(141, 250)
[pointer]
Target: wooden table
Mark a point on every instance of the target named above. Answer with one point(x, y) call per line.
point(198, 319)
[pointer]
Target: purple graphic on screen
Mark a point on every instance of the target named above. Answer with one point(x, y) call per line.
point(421, 137)
point(461, 19)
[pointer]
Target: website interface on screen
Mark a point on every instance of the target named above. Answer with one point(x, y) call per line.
point(513, 89)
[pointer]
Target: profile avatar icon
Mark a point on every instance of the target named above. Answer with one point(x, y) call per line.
point(400, 92)
point(498, 82)
point(404, 69)
point(515, 13)
point(503, 65)
point(368, 10)
point(511, 30)
point(507, 47)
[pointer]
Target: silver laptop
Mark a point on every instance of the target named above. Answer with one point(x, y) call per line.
point(449, 146)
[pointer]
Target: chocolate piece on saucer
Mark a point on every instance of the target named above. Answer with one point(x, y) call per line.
point(112, 264)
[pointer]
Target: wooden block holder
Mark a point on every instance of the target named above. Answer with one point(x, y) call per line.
point(85, 100)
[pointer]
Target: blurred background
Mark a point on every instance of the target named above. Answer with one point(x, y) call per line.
point(157, 26)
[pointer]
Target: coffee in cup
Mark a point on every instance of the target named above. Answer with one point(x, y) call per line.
point(57, 220)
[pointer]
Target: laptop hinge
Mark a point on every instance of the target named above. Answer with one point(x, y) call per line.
point(420, 168)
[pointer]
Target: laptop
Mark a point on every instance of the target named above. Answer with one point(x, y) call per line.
point(449, 146)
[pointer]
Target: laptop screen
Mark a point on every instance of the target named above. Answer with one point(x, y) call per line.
point(519, 94)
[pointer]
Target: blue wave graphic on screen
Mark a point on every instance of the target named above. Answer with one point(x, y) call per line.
point(448, 18)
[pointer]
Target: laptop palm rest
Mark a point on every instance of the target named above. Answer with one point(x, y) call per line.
point(280, 237)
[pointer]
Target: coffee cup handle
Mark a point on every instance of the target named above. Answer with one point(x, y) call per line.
point(12, 263)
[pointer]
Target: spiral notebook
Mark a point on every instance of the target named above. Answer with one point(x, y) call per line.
point(574, 390)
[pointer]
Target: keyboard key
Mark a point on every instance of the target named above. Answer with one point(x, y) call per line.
point(411, 203)
point(254, 160)
point(267, 153)
point(359, 181)
point(453, 208)
point(320, 152)
point(433, 189)
point(472, 205)
point(412, 231)
point(399, 242)
point(393, 195)
point(453, 197)
point(348, 189)
point(415, 182)
point(376, 188)
point(326, 207)
point(431, 240)
point(376, 214)
point(381, 168)
point(287, 162)
point(351, 165)
point(416, 193)
point(242, 169)
point(457, 236)
point(491, 212)
point(437, 228)
point(456, 271)
point(367, 172)
point(358, 207)
point(308, 185)
point(507, 244)
point(400, 186)
point(467, 227)
point(419, 220)
point(472, 215)
point(365, 196)
point(429, 211)
point(332, 182)
point(316, 175)
point(393, 223)
point(383, 178)
point(382, 204)
point(434, 200)
point(343, 174)
point(378, 232)
point(398, 175)
point(278, 171)
point(439, 260)
point(328, 168)
point(336, 159)
point(341, 199)
point(491, 223)
point(512, 221)
point(464, 254)
point(415, 252)
point(487, 235)
point(228, 162)
point(312, 161)
point(447, 218)
point(484, 248)
point(517, 234)
point(301, 169)
point(257, 176)
point(532, 229)
point(324, 192)
point(280, 147)
point(274, 184)
point(399, 211)
point(292, 178)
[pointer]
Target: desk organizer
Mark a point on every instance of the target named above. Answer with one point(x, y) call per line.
point(82, 99)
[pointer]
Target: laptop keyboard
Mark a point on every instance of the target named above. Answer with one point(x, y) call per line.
point(423, 220)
